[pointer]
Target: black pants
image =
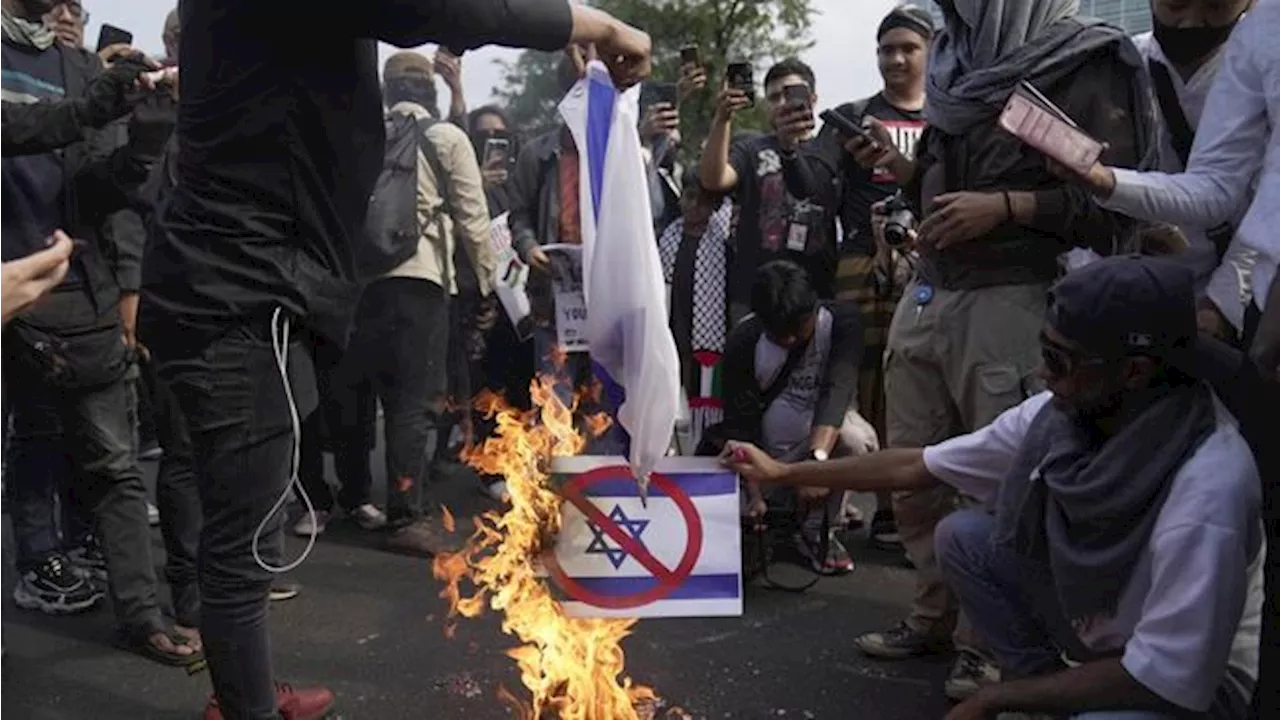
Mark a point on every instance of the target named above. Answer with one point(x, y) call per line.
point(402, 339)
point(1262, 418)
point(345, 424)
point(94, 428)
point(178, 499)
point(233, 398)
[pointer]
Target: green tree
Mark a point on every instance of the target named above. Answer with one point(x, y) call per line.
point(756, 31)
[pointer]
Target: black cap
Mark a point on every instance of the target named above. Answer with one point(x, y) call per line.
point(910, 17)
point(1128, 305)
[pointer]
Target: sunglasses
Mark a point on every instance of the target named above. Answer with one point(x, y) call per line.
point(74, 9)
point(1061, 360)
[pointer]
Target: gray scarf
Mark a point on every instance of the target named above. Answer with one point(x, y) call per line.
point(988, 46)
point(1086, 506)
point(23, 32)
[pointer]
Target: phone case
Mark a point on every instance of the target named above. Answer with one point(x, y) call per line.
point(1050, 132)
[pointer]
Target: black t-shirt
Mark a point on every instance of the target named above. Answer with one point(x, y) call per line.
point(773, 223)
point(862, 187)
point(280, 140)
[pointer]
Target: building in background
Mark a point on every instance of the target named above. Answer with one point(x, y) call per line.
point(1132, 15)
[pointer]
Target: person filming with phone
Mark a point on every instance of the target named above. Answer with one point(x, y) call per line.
point(788, 195)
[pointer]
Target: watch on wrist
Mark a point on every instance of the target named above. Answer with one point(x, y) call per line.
point(819, 454)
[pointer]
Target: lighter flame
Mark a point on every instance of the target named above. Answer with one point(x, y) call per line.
point(572, 667)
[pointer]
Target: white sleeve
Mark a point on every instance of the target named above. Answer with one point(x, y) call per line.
point(1199, 582)
point(976, 464)
point(1226, 155)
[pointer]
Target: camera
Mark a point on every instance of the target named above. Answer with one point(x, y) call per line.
point(900, 220)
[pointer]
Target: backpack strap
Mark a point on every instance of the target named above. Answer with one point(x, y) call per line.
point(429, 151)
point(1179, 129)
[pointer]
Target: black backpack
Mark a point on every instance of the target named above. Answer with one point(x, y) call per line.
point(391, 230)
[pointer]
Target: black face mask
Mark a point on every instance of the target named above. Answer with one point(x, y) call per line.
point(1185, 45)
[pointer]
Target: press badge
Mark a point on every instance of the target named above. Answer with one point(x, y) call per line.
point(798, 232)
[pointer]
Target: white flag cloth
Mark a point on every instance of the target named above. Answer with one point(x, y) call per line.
point(627, 329)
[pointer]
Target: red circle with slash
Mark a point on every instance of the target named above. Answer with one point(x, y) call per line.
point(667, 579)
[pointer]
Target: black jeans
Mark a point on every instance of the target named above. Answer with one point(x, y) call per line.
point(178, 499)
point(234, 401)
point(94, 427)
point(402, 338)
point(346, 425)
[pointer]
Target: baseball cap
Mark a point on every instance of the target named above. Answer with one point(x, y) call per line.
point(408, 63)
point(1128, 305)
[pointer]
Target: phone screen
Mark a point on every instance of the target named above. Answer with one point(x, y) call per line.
point(496, 151)
point(741, 77)
point(111, 35)
point(795, 96)
point(654, 93)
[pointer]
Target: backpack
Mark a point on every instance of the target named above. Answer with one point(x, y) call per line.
point(391, 229)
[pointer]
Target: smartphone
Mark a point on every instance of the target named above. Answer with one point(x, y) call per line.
point(111, 35)
point(741, 76)
point(654, 93)
point(496, 151)
point(689, 55)
point(795, 96)
point(1048, 130)
point(847, 127)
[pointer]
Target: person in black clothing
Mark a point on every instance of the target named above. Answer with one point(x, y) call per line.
point(66, 366)
point(280, 139)
point(787, 192)
point(790, 384)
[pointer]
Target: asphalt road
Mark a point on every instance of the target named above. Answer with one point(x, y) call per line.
point(368, 624)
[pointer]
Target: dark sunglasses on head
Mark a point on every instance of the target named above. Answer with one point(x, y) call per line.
point(1060, 360)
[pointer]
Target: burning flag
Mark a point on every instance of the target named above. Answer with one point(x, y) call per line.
point(573, 667)
point(627, 330)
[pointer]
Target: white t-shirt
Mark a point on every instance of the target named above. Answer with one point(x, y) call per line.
point(1194, 604)
point(788, 421)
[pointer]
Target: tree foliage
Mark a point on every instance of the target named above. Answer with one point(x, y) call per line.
point(757, 31)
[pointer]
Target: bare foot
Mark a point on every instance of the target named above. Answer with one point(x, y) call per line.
point(192, 636)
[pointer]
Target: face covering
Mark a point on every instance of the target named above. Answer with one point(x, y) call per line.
point(1185, 45)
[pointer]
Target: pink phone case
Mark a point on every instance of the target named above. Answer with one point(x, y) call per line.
point(1049, 134)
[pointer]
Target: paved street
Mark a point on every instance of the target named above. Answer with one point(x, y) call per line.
point(369, 625)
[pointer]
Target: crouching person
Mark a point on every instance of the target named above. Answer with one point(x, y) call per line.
point(1119, 575)
point(790, 381)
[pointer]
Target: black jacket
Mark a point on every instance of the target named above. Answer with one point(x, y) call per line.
point(743, 410)
point(96, 168)
point(534, 194)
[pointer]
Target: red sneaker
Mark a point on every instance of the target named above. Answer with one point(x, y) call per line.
point(294, 703)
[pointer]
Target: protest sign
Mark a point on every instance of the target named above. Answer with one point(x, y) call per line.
point(567, 291)
point(678, 554)
point(510, 277)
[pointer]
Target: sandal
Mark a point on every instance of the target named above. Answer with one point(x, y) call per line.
point(139, 641)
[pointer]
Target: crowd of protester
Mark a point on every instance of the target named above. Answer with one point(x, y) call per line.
point(1057, 384)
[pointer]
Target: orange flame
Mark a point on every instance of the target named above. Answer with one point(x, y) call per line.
point(572, 667)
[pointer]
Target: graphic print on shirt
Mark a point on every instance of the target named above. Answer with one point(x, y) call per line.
point(775, 202)
point(906, 135)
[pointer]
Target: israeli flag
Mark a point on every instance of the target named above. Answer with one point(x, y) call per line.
point(677, 555)
point(627, 330)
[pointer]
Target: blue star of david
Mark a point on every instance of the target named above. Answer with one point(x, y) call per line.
point(599, 544)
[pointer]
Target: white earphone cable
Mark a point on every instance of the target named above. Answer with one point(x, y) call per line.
point(280, 348)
